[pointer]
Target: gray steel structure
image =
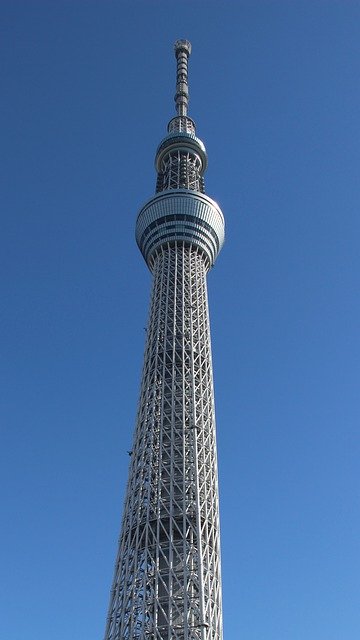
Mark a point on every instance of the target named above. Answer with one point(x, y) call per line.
point(167, 583)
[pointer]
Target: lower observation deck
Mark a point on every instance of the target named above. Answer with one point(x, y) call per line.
point(181, 215)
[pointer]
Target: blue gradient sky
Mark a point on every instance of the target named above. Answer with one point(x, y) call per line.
point(87, 92)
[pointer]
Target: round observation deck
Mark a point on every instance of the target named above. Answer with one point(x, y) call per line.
point(184, 216)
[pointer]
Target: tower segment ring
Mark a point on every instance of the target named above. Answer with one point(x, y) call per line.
point(181, 141)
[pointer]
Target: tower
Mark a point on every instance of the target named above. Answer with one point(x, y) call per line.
point(167, 583)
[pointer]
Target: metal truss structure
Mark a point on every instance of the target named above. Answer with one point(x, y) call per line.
point(167, 583)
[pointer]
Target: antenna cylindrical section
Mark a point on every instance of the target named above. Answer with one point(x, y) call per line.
point(182, 52)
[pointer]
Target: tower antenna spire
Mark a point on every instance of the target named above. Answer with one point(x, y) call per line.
point(182, 53)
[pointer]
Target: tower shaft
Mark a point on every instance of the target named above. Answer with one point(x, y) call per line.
point(167, 580)
point(167, 583)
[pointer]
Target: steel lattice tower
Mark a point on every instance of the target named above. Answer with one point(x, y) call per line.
point(167, 583)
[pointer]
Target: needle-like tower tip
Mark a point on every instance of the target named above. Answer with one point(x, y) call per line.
point(182, 53)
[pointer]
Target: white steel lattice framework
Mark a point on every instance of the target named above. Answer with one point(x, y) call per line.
point(167, 583)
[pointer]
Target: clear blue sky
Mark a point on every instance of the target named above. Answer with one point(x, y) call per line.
point(87, 90)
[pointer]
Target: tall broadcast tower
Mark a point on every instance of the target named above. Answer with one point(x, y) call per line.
point(167, 583)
